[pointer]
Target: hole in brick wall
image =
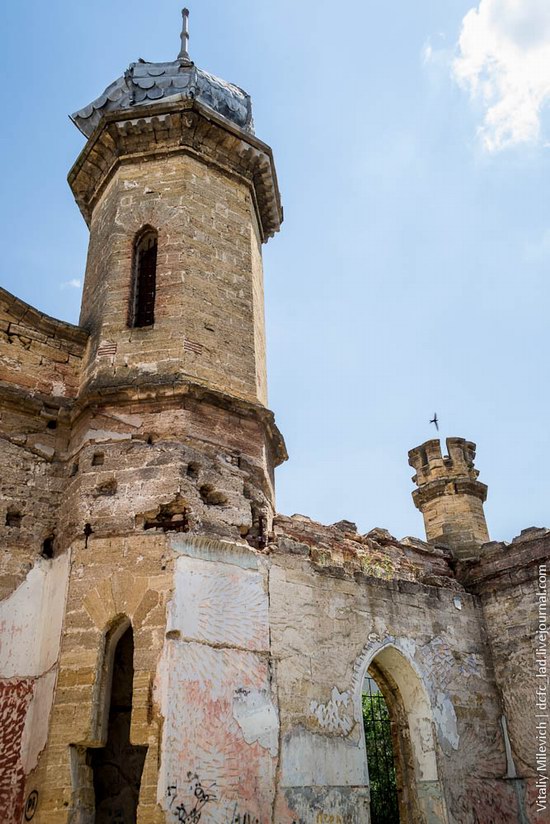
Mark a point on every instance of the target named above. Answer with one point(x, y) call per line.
point(52, 425)
point(258, 535)
point(211, 496)
point(13, 518)
point(193, 471)
point(87, 532)
point(48, 547)
point(106, 489)
point(74, 469)
point(98, 459)
point(171, 517)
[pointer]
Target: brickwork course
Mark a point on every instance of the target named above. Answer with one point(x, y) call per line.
point(173, 649)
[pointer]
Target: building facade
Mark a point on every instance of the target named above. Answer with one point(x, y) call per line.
point(172, 650)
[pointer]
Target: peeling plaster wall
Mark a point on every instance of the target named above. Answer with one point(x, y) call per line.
point(30, 631)
point(214, 685)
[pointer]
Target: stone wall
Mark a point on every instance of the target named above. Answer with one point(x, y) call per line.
point(38, 354)
point(507, 579)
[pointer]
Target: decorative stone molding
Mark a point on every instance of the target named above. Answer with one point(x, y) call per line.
point(180, 126)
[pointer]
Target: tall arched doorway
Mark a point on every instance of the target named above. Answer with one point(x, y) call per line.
point(107, 768)
point(377, 723)
point(118, 765)
point(399, 742)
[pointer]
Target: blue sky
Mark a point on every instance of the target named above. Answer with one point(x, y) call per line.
point(412, 272)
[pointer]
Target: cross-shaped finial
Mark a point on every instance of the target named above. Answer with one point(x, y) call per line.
point(184, 52)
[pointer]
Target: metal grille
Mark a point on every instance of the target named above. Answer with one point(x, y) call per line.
point(145, 280)
point(384, 808)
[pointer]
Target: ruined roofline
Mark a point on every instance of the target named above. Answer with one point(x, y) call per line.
point(502, 564)
point(339, 550)
point(23, 312)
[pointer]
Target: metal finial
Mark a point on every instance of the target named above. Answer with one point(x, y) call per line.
point(184, 52)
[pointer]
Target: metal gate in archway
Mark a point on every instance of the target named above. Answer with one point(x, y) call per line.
point(384, 807)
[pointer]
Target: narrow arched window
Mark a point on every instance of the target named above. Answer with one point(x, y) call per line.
point(145, 278)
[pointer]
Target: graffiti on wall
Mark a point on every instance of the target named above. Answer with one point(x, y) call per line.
point(15, 697)
point(188, 805)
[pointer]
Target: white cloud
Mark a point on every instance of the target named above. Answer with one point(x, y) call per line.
point(504, 62)
point(75, 283)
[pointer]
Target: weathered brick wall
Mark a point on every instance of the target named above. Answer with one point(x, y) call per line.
point(151, 469)
point(209, 307)
point(109, 579)
point(38, 354)
point(328, 621)
point(30, 493)
point(40, 360)
point(142, 461)
point(507, 581)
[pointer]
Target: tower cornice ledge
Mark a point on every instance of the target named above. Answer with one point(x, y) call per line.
point(456, 486)
point(175, 394)
point(180, 126)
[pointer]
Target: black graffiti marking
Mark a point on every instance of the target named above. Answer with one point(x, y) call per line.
point(171, 792)
point(202, 795)
point(31, 805)
point(192, 816)
point(245, 818)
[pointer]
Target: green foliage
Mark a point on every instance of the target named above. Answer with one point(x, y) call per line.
point(380, 759)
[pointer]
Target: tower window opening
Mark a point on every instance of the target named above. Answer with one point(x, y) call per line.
point(145, 279)
point(380, 755)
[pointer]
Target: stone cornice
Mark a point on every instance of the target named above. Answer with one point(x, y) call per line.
point(175, 127)
point(448, 486)
point(175, 394)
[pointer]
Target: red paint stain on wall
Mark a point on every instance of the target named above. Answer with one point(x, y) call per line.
point(15, 697)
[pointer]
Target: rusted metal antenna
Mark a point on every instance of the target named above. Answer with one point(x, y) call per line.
point(184, 52)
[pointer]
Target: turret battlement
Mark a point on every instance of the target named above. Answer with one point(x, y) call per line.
point(430, 463)
point(449, 494)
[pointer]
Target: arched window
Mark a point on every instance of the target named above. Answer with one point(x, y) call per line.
point(145, 278)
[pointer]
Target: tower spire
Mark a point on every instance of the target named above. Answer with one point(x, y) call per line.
point(184, 51)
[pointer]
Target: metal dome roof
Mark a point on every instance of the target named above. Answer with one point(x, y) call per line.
point(144, 83)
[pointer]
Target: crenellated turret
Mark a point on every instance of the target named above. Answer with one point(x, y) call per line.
point(449, 495)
